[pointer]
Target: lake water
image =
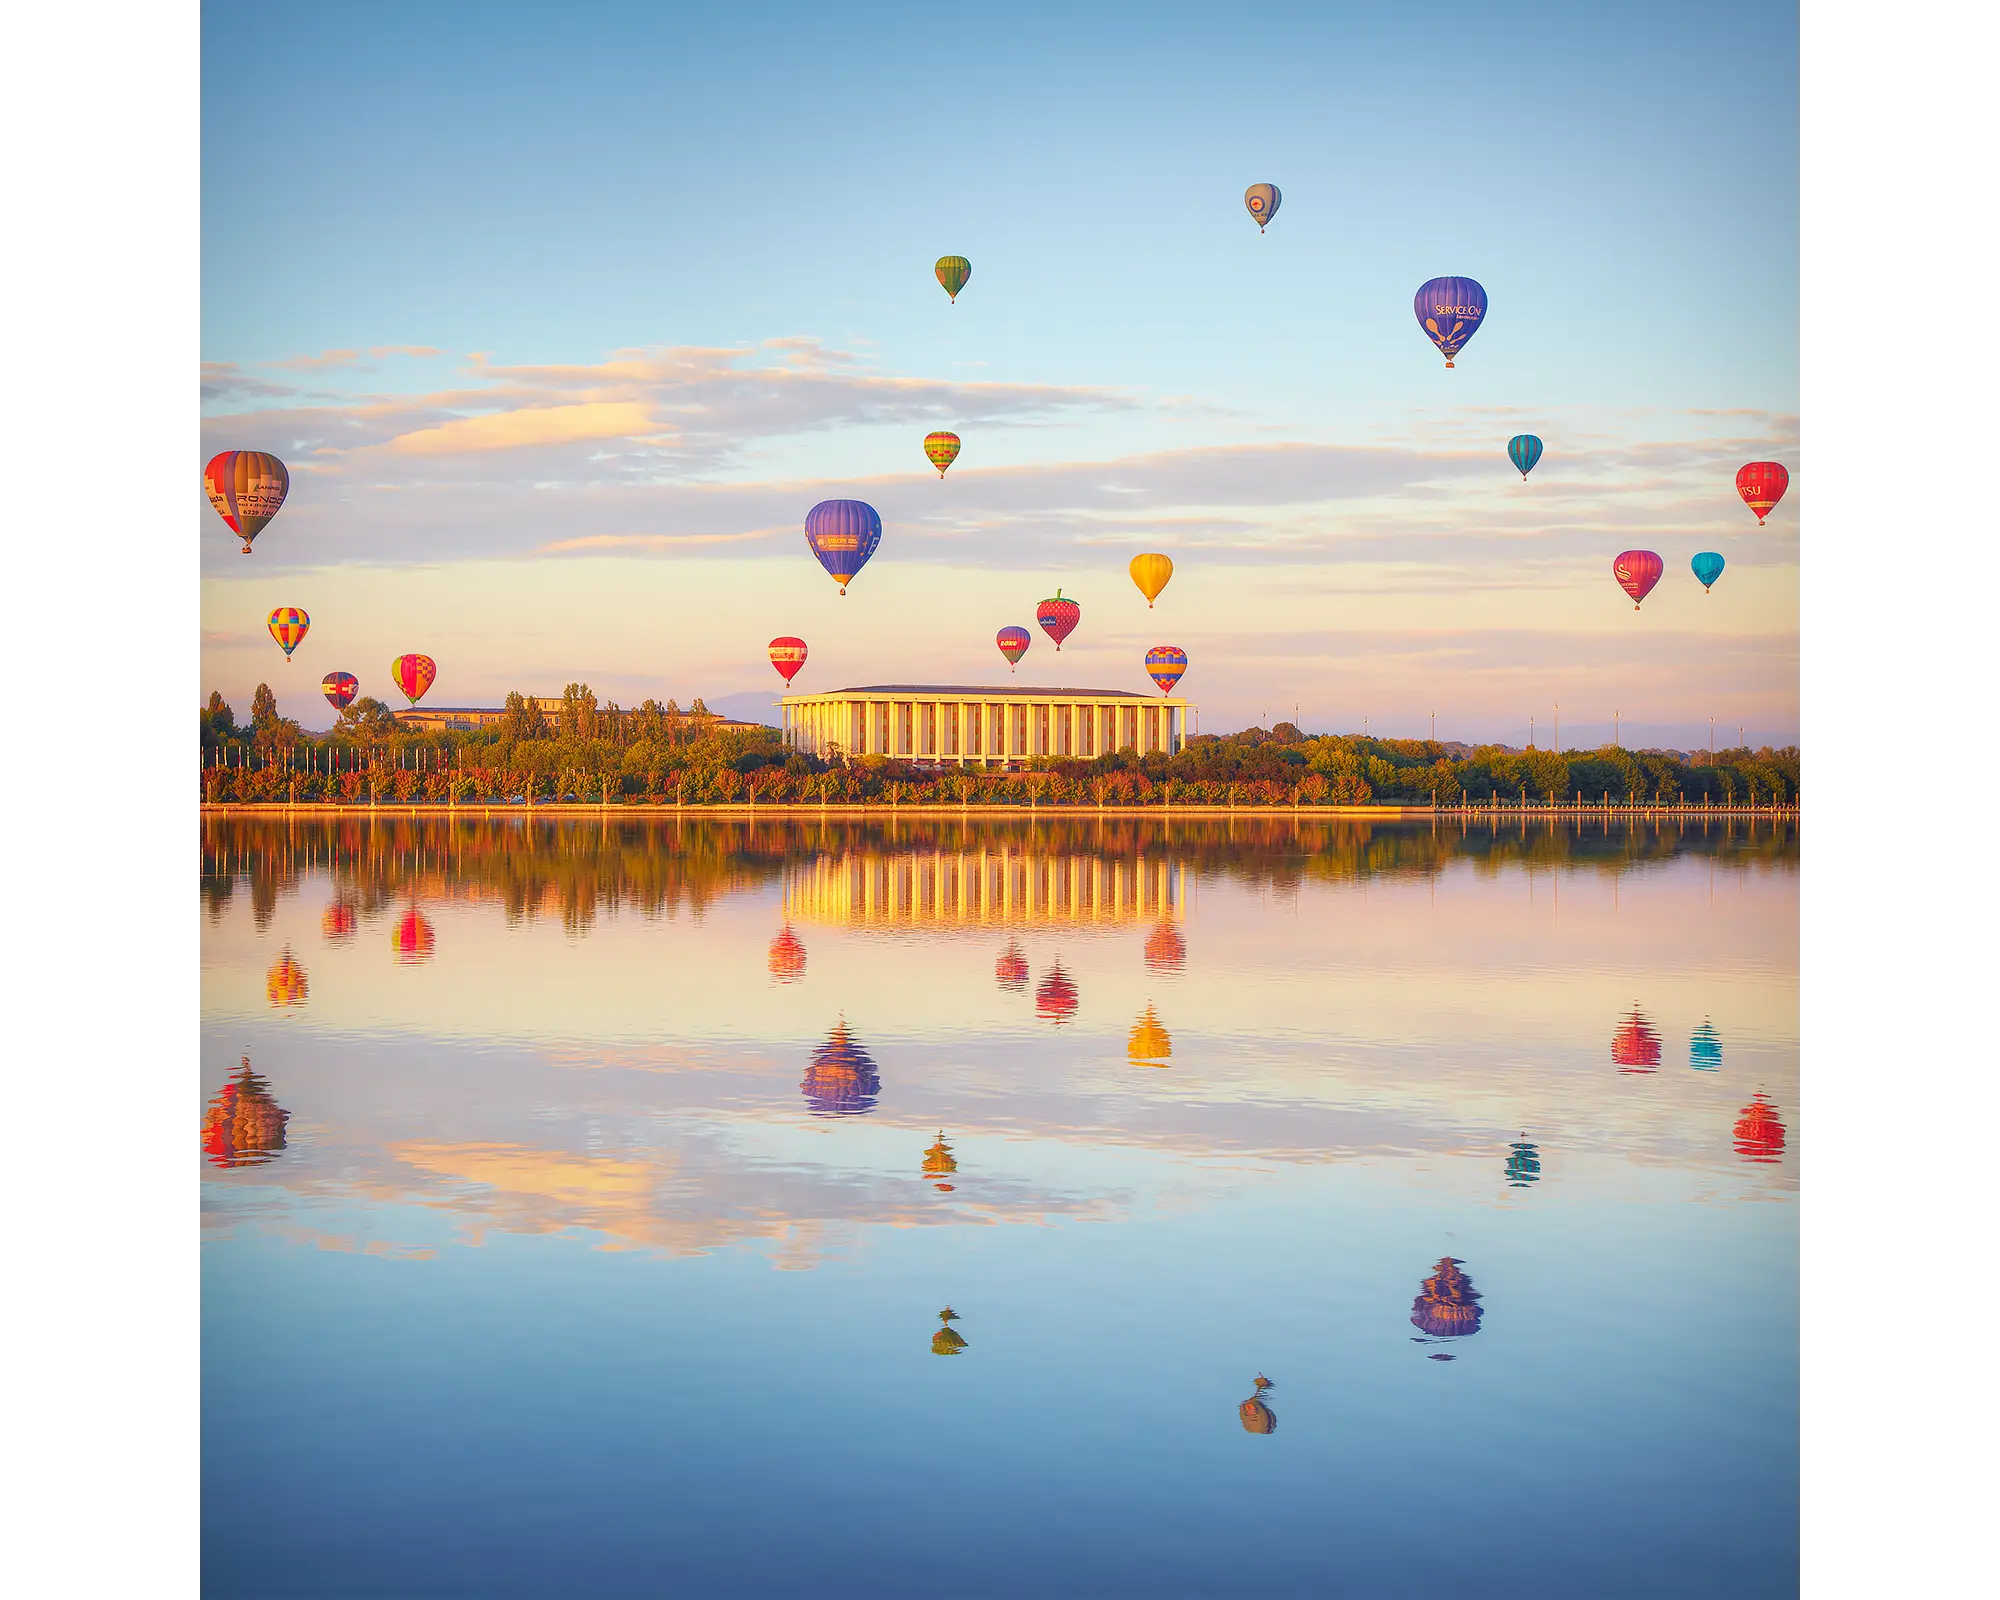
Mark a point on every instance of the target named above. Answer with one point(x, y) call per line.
point(582, 1203)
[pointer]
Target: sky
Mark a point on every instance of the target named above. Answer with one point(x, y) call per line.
point(562, 322)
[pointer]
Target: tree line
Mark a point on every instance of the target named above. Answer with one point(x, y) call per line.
point(576, 750)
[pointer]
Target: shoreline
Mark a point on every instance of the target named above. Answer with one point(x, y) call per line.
point(809, 810)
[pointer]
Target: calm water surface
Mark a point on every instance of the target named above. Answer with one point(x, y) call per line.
point(724, 1209)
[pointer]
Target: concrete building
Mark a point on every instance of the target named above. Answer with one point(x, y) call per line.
point(976, 726)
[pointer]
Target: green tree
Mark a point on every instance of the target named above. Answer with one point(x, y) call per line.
point(220, 718)
point(263, 707)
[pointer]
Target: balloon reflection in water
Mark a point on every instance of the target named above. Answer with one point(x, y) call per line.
point(940, 1163)
point(1166, 950)
point(243, 1126)
point(1760, 1136)
point(787, 959)
point(842, 1080)
point(1635, 1046)
point(337, 922)
point(1705, 1049)
point(413, 939)
point(947, 1341)
point(1447, 1307)
point(1524, 1164)
point(1256, 1416)
point(285, 983)
point(1055, 996)
point(1150, 1044)
point(1011, 970)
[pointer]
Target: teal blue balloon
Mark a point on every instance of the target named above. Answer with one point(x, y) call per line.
point(1708, 567)
point(1524, 449)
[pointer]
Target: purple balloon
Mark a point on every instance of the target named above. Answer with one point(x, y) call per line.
point(1450, 311)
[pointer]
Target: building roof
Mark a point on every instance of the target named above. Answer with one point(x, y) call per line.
point(999, 691)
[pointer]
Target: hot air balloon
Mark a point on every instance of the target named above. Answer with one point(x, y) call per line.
point(1149, 1043)
point(1055, 996)
point(414, 675)
point(1524, 450)
point(413, 939)
point(243, 1126)
point(1635, 1046)
point(788, 655)
point(1707, 567)
point(288, 626)
point(1761, 483)
point(1450, 310)
point(285, 983)
point(1524, 1164)
point(1150, 573)
point(947, 1341)
point(1166, 950)
point(1447, 1307)
point(246, 487)
point(1011, 970)
point(942, 448)
point(1256, 1416)
point(1637, 571)
point(940, 1163)
point(336, 922)
point(340, 688)
point(842, 1080)
point(1760, 1136)
point(1164, 665)
point(954, 272)
point(843, 534)
point(1058, 617)
point(1261, 200)
point(1705, 1048)
point(787, 957)
point(1013, 643)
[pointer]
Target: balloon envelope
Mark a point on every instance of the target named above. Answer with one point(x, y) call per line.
point(842, 1080)
point(413, 939)
point(942, 448)
point(1164, 665)
point(1450, 310)
point(1708, 567)
point(1447, 1307)
point(340, 688)
point(1762, 485)
point(954, 272)
point(843, 534)
point(288, 626)
point(1261, 201)
point(414, 675)
point(246, 487)
point(1055, 996)
point(1013, 643)
point(1637, 571)
point(1151, 572)
point(788, 655)
point(1058, 617)
point(1524, 450)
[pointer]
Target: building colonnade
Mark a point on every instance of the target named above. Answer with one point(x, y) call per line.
point(982, 727)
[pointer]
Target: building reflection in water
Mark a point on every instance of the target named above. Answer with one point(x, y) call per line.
point(1055, 996)
point(1524, 1164)
point(285, 983)
point(243, 1126)
point(842, 1080)
point(1000, 884)
point(1166, 950)
point(940, 1163)
point(414, 939)
point(947, 1341)
point(787, 957)
point(1149, 1044)
point(1705, 1048)
point(1635, 1046)
point(1254, 1414)
point(1760, 1136)
point(1011, 970)
point(336, 922)
point(1447, 1307)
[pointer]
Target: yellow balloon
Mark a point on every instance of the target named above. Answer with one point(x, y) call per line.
point(1150, 573)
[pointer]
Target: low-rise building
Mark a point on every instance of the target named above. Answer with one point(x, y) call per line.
point(980, 726)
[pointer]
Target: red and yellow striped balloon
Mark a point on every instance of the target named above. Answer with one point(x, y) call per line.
point(246, 487)
point(414, 675)
point(288, 626)
point(942, 448)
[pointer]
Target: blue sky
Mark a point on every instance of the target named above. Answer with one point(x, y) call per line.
point(746, 202)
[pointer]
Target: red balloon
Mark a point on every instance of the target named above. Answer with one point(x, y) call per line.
point(1762, 485)
point(1637, 571)
point(1013, 643)
point(788, 655)
point(1058, 617)
point(1760, 1135)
